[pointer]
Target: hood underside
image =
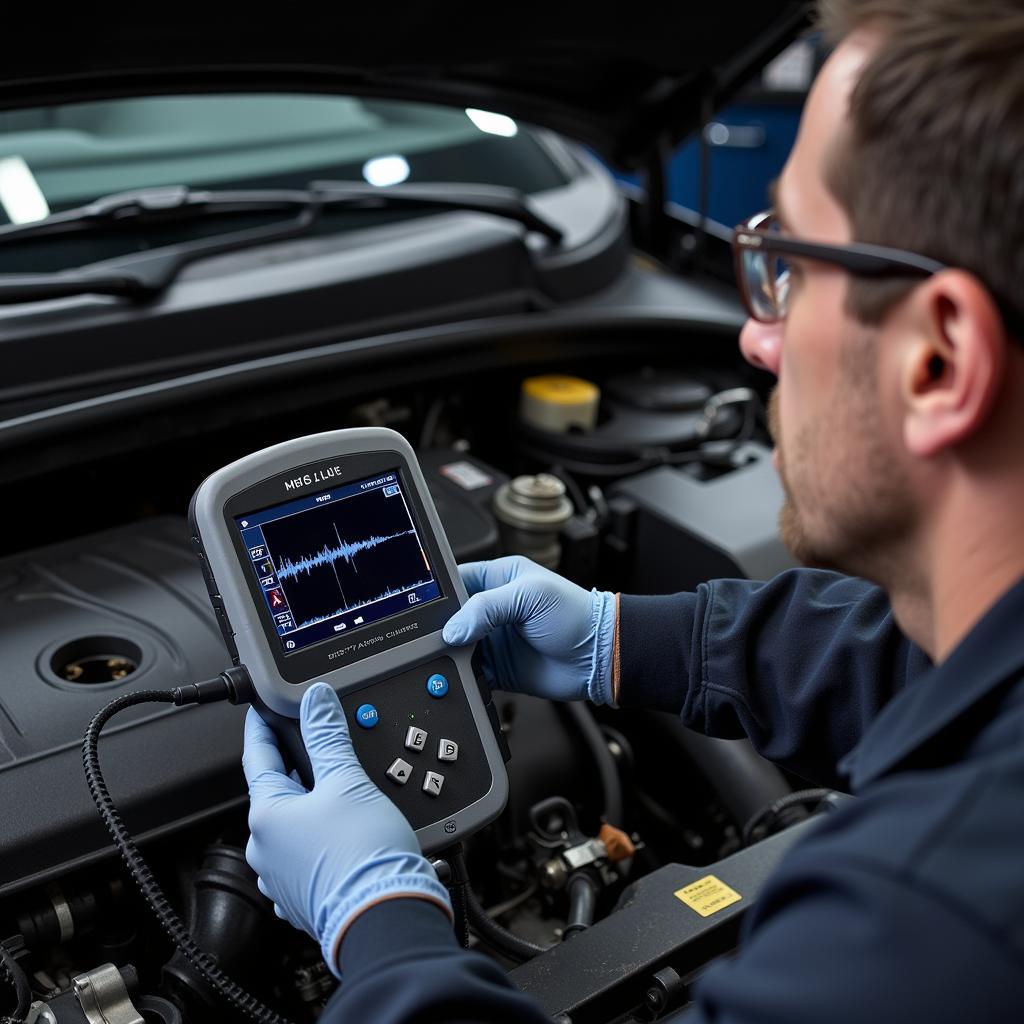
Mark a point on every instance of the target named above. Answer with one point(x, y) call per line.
point(623, 85)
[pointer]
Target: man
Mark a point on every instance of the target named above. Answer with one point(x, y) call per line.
point(898, 420)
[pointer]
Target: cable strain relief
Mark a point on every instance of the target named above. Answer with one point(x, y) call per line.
point(209, 691)
point(239, 684)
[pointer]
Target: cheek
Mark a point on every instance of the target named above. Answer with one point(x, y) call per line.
point(809, 378)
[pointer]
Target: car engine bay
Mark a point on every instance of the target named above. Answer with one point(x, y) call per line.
point(657, 478)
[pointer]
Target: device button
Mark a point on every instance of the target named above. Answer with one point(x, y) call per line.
point(437, 685)
point(432, 784)
point(366, 716)
point(415, 739)
point(400, 771)
point(447, 750)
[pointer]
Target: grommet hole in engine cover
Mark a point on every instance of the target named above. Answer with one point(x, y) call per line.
point(95, 660)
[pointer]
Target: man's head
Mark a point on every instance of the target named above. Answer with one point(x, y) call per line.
point(897, 395)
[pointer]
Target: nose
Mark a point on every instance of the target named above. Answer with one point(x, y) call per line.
point(761, 344)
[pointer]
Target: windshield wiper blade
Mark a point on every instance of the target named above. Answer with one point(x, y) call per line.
point(144, 275)
point(148, 206)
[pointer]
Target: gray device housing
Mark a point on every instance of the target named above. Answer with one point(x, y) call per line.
point(253, 644)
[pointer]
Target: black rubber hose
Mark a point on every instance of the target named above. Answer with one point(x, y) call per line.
point(140, 870)
point(513, 946)
point(608, 770)
point(19, 981)
point(582, 904)
point(800, 798)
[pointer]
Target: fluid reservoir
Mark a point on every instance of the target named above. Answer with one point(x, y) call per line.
point(531, 510)
point(558, 404)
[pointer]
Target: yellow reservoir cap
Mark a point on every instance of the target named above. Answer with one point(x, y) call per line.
point(557, 403)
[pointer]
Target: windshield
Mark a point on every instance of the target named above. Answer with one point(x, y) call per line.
point(58, 157)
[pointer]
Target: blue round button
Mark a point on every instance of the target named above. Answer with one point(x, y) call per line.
point(366, 716)
point(437, 685)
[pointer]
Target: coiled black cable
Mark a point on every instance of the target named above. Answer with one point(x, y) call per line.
point(140, 870)
point(12, 970)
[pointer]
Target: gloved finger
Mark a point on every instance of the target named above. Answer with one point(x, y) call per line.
point(325, 732)
point(261, 761)
point(481, 614)
point(261, 885)
point(491, 573)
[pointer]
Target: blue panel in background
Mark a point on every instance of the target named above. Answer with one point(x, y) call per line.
point(753, 141)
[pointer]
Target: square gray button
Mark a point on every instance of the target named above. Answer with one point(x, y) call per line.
point(415, 739)
point(400, 771)
point(447, 750)
point(432, 784)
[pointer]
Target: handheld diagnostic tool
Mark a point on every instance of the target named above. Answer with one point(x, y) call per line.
point(325, 560)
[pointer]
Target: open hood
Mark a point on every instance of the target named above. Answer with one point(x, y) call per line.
point(623, 79)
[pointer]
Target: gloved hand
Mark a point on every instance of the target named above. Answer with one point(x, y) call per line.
point(326, 855)
point(544, 635)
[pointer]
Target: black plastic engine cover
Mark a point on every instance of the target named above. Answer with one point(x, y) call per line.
point(136, 594)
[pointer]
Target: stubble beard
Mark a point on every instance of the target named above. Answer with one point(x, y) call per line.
point(846, 504)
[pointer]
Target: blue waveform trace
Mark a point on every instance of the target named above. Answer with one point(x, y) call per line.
point(362, 604)
point(328, 555)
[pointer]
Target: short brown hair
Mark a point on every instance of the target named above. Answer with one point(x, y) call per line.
point(933, 161)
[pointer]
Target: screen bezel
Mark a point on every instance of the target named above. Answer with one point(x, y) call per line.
point(354, 646)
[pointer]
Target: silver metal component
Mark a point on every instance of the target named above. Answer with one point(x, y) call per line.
point(715, 404)
point(104, 998)
point(415, 739)
point(553, 874)
point(63, 912)
point(447, 750)
point(586, 853)
point(432, 784)
point(40, 1013)
point(400, 771)
point(530, 511)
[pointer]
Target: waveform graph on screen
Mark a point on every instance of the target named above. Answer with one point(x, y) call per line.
point(346, 554)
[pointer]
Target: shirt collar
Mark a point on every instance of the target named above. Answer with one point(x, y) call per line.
point(990, 654)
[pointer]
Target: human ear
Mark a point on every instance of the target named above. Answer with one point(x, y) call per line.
point(952, 369)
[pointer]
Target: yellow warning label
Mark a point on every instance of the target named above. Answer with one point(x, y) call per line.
point(708, 895)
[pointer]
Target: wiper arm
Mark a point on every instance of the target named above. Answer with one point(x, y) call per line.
point(143, 275)
point(500, 202)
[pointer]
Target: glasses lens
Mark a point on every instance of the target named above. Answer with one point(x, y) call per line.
point(759, 284)
point(780, 271)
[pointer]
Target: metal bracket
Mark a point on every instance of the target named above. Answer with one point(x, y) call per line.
point(104, 998)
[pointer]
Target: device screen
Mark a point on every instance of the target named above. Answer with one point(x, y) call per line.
point(338, 560)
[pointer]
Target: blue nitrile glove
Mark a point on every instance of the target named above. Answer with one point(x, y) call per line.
point(327, 854)
point(544, 635)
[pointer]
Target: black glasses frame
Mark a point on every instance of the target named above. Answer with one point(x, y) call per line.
point(859, 258)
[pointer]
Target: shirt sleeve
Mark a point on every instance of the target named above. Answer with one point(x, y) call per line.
point(401, 964)
point(851, 941)
point(800, 665)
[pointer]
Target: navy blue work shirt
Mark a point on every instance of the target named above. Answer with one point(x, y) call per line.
point(905, 905)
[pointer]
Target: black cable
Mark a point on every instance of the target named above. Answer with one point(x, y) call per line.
point(458, 887)
point(776, 807)
point(220, 688)
point(608, 770)
point(513, 946)
point(13, 971)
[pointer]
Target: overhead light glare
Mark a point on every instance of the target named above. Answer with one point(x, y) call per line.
point(386, 170)
point(20, 195)
point(493, 124)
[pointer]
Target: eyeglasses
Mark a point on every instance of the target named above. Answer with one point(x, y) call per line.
point(762, 270)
